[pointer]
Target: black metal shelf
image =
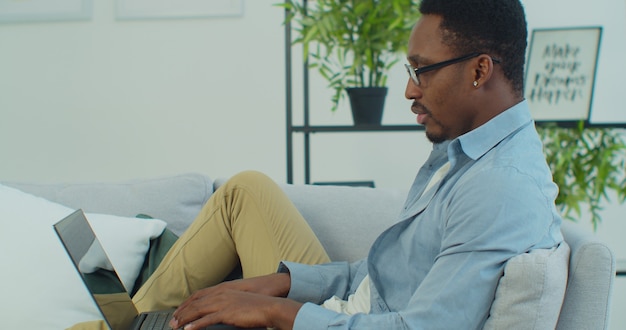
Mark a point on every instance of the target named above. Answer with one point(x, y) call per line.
point(306, 129)
point(364, 128)
point(621, 267)
point(586, 124)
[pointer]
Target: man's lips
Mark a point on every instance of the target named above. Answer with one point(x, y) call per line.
point(421, 118)
point(421, 113)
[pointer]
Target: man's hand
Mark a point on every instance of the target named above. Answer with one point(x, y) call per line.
point(275, 285)
point(255, 302)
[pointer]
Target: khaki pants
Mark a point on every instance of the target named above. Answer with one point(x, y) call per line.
point(249, 220)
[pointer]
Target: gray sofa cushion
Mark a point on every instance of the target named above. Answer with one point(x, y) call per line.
point(346, 219)
point(530, 293)
point(175, 199)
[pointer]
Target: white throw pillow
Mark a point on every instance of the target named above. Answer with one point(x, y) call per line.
point(41, 288)
point(531, 291)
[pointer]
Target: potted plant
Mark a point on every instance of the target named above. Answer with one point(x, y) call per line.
point(587, 164)
point(353, 44)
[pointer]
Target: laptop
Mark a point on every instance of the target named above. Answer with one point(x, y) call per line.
point(104, 285)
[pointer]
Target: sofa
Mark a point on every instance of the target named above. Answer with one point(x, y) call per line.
point(565, 288)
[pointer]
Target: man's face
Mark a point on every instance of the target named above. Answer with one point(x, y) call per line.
point(441, 101)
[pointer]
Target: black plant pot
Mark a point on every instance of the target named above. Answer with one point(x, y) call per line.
point(367, 104)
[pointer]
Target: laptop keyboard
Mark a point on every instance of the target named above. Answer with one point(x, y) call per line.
point(156, 321)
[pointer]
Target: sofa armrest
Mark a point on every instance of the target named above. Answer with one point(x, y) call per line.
point(590, 283)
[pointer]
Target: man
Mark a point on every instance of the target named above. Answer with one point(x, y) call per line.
point(484, 195)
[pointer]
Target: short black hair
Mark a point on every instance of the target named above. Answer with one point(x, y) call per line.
point(494, 27)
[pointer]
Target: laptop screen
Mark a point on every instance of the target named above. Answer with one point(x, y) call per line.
point(89, 257)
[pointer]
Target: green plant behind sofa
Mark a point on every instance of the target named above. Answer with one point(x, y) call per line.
point(588, 165)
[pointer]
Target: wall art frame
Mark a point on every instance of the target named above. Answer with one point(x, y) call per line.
point(560, 73)
point(12, 11)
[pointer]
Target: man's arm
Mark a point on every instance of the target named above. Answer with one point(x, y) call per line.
point(261, 301)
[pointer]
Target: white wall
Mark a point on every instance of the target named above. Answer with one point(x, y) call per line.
point(107, 100)
point(110, 100)
point(113, 100)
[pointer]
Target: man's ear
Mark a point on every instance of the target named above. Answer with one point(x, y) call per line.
point(483, 70)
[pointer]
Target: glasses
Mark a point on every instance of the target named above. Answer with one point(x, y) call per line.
point(415, 72)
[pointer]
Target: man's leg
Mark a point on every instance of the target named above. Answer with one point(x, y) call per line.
point(248, 220)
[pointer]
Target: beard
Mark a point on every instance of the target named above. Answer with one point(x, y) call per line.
point(434, 137)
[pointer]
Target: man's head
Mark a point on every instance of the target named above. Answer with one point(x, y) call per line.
point(494, 27)
point(486, 39)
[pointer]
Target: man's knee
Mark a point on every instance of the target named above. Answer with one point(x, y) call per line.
point(250, 177)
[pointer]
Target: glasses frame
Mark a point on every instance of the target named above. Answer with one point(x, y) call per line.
point(415, 72)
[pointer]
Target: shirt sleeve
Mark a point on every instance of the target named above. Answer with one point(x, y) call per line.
point(316, 283)
point(315, 317)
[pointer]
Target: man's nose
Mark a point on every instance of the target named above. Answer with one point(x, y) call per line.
point(412, 91)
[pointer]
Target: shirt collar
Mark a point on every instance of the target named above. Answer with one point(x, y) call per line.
point(478, 141)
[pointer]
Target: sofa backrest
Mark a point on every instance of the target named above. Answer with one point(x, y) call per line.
point(174, 199)
point(346, 220)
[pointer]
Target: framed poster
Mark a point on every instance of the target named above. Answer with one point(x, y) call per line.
point(44, 10)
point(560, 73)
point(150, 9)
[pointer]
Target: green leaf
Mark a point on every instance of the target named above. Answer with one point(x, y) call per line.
point(587, 164)
point(360, 40)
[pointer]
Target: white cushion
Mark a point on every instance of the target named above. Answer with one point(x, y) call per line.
point(40, 286)
point(125, 241)
point(531, 291)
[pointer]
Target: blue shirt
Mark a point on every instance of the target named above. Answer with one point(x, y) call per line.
point(439, 266)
